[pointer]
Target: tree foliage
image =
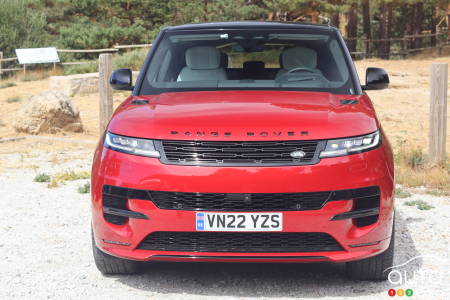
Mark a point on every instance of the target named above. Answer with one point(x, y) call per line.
point(20, 26)
point(83, 24)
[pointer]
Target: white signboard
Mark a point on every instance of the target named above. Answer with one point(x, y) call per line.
point(37, 55)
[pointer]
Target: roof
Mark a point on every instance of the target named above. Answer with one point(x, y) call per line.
point(250, 24)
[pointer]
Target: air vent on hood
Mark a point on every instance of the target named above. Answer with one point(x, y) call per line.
point(139, 102)
point(349, 101)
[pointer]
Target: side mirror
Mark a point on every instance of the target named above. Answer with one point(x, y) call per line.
point(121, 79)
point(376, 79)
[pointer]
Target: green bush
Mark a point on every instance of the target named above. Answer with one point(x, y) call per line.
point(42, 177)
point(81, 69)
point(13, 99)
point(20, 26)
point(132, 59)
point(85, 188)
point(400, 193)
point(7, 85)
point(420, 204)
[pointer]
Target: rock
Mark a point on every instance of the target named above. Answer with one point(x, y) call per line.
point(48, 112)
point(78, 84)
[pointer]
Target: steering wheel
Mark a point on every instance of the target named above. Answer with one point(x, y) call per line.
point(294, 70)
point(299, 69)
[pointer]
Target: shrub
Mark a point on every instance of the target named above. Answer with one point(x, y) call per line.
point(81, 69)
point(71, 175)
point(131, 59)
point(42, 177)
point(410, 155)
point(85, 188)
point(7, 85)
point(13, 99)
point(400, 193)
point(422, 205)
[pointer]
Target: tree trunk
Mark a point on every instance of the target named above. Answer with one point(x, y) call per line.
point(434, 16)
point(205, 10)
point(352, 27)
point(417, 21)
point(334, 19)
point(448, 22)
point(384, 48)
point(366, 25)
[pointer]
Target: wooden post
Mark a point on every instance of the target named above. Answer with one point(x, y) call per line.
point(1, 57)
point(438, 113)
point(105, 90)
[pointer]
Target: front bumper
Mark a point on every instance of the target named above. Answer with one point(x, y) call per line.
point(372, 168)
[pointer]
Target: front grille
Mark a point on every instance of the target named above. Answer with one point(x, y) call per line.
point(218, 153)
point(240, 202)
point(240, 242)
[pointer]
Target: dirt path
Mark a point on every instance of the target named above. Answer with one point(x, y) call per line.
point(46, 253)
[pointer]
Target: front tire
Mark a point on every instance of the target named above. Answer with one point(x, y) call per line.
point(110, 265)
point(373, 268)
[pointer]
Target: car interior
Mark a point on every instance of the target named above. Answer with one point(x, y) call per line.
point(206, 60)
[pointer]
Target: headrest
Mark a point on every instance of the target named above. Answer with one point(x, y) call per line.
point(252, 65)
point(299, 57)
point(223, 60)
point(202, 58)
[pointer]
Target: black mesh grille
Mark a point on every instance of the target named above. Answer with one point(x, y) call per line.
point(238, 153)
point(240, 242)
point(114, 201)
point(240, 202)
point(365, 203)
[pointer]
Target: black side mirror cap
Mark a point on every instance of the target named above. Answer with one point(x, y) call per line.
point(376, 79)
point(122, 80)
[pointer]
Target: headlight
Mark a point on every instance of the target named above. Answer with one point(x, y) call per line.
point(352, 145)
point(131, 145)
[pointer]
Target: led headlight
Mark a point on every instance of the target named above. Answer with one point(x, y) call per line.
point(136, 146)
point(352, 145)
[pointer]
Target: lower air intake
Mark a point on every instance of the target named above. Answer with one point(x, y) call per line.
point(240, 242)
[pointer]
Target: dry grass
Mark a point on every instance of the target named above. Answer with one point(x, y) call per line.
point(412, 169)
point(71, 175)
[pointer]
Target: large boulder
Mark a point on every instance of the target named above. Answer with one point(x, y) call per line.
point(48, 112)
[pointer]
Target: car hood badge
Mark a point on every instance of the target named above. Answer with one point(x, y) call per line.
point(297, 154)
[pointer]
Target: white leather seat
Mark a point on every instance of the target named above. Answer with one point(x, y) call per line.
point(202, 63)
point(298, 57)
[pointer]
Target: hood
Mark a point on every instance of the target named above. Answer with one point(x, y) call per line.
point(244, 115)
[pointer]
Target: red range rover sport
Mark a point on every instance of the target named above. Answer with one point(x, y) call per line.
point(245, 142)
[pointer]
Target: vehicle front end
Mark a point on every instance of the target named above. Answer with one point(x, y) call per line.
point(291, 167)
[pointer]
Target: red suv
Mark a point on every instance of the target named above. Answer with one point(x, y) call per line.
point(245, 142)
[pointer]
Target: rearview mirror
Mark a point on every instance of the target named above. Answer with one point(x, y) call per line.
point(376, 79)
point(121, 79)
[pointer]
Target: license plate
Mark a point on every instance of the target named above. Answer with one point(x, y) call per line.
point(209, 221)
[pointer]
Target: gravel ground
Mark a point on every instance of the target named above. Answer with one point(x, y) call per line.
point(45, 252)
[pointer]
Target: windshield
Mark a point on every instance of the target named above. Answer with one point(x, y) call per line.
point(192, 60)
